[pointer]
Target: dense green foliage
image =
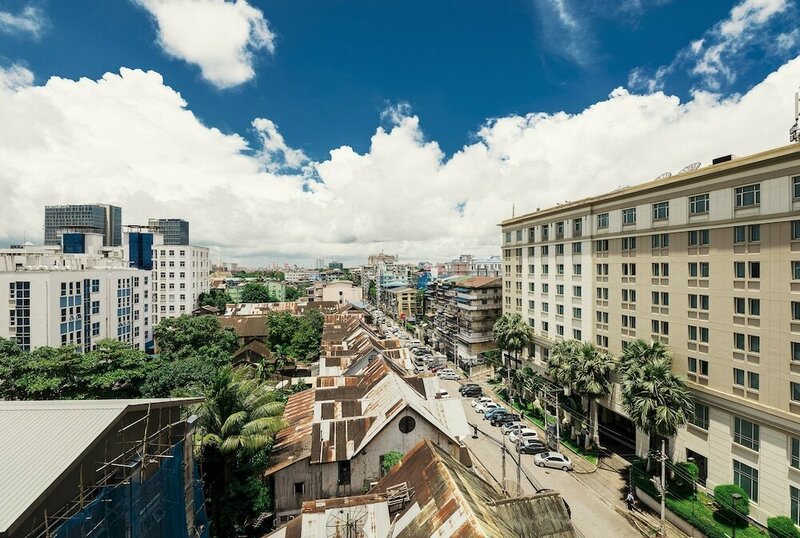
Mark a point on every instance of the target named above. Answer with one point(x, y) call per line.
point(298, 337)
point(236, 425)
point(782, 527)
point(216, 298)
point(734, 508)
point(512, 334)
point(253, 292)
point(294, 292)
point(390, 459)
point(372, 291)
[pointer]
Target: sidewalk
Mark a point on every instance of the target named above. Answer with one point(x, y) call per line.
point(608, 480)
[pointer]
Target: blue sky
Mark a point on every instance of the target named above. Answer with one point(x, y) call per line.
point(433, 77)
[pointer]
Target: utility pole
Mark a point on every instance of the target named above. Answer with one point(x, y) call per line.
point(663, 456)
point(519, 465)
point(558, 426)
point(504, 463)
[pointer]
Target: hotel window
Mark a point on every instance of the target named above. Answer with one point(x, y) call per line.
point(628, 243)
point(577, 227)
point(577, 248)
point(629, 216)
point(796, 187)
point(560, 330)
point(545, 250)
point(560, 249)
point(628, 321)
point(755, 307)
point(576, 334)
point(693, 364)
point(559, 230)
point(752, 380)
point(559, 289)
point(794, 502)
point(545, 288)
point(576, 291)
point(794, 458)
point(660, 211)
point(755, 269)
point(738, 341)
point(795, 311)
point(748, 196)
point(738, 270)
point(531, 286)
point(576, 268)
point(795, 230)
point(795, 347)
point(602, 246)
point(545, 232)
point(795, 270)
point(660, 327)
point(660, 269)
point(754, 233)
point(700, 302)
point(531, 305)
point(602, 221)
point(545, 307)
point(700, 418)
point(602, 293)
point(698, 204)
point(560, 269)
point(795, 391)
point(746, 478)
point(577, 313)
point(545, 326)
point(519, 235)
point(745, 433)
point(660, 240)
point(545, 269)
point(660, 298)
point(602, 269)
point(628, 269)
point(698, 238)
point(531, 234)
point(628, 295)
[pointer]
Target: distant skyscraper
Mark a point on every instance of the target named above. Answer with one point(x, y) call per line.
point(175, 231)
point(93, 218)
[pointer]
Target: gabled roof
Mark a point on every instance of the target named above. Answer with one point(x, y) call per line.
point(246, 326)
point(44, 440)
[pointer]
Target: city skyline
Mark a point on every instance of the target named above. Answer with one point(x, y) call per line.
point(161, 125)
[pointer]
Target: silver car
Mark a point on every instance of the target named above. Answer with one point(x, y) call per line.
point(554, 460)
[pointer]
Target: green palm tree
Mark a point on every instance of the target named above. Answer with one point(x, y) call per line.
point(240, 411)
point(592, 380)
point(562, 361)
point(512, 334)
point(655, 399)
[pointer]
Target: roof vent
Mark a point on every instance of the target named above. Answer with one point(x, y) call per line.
point(723, 159)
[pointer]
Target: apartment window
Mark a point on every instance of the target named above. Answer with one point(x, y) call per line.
point(755, 307)
point(628, 295)
point(745, 433)
point(698, 204)
point(531, 305)
point(602, 317)
point(560, 330)
point(602, 293)
point(545, 307)
point(796, 187)
point(577, 313)
point(739, 234)
point(752, 380)
point(545, 326)
point(738, 341)
point(700, 302)
point(545, 288)
point(693, 366)
point(545, 250)
point(754, 233)
point(698, 334)
point(698, 238)
point(602, 269)
point(602, 221)
point(795, 270)
point(531, 286)
point(755, 269)
point(576, 334)
point(560, 249)
point(700, 269)
point(531, 234)
point(795, 230)
point(660, 327)
point(794, 502)
point(545, 269)
point(795, 311)
point(560, 309)
point(577, 248)
point(560, 269)
point(602, 246)
point(344, 473)
point(519, 235)
point(660, 269)
point(602, 341)
point(660, 211)
point(749, 195)
point(559, 289)
point(700, 418)
point(795, 351)
point(660, 298)
point(628, 243)
point(794, 459)
point(629, 321)
point(628, 269)
point(576, 291)
point(659, 240)
point(738, 269)
point(795, 391)
point(576, 268)
point(746, 478)
point(559, 230)
point(545, 232)
point(629, 216)
point(577, 227)
point(738, 305)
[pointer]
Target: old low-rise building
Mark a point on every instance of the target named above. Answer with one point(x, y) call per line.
point(341, 428)
point(430, 493)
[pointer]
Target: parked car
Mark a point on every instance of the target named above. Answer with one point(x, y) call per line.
point(483, 407)
point(524, 433)
point(444, 371)
point(419, 369)
point(532, 447)
point(449, 376)
point(513, 426)
point(472, 393)
point(480, 400)
point(505, 418)
point(487, 415)
point(466, 386)
point(554, 460)
point(441, 393)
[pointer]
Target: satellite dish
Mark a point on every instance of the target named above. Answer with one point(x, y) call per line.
point(664, 175)
point(690, 168)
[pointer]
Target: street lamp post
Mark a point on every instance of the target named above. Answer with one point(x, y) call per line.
point(736, 498)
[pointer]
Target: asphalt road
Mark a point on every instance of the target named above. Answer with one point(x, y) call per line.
point(592, 515)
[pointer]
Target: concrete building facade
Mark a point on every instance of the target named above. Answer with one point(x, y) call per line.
point(91, 218)
point(180, 274)
point(707, 262)
point(175, 231)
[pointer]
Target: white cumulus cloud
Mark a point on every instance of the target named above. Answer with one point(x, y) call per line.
point(222, 38)
point(130, 140)
point(30, 20)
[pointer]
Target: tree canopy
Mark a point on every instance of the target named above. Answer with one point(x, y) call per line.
point(253, 292)
point(215, 298)
point(298, 337)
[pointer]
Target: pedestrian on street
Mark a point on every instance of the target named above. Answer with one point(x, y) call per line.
point(629, 500)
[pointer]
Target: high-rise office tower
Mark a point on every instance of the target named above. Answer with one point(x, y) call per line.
point(90, 218)
point(175, 231)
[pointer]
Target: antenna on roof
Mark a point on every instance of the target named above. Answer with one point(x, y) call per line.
point(513, 205)
point(794, 132)
point(689, 168)
point(664, 175)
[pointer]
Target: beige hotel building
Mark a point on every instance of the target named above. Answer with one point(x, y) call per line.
point(708, 262)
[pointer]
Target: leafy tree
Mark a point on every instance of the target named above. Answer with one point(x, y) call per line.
point(187, 336)
point(656, 400)
point(114, 370)
point(236, 426)
point(216, 298)
point(512, 334)
point(734, 508)
point(253, 292)
point(298, 337)
point(390, 459)
point(293, 293)
point(372, 291)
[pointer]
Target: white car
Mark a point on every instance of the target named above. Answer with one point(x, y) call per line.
point(480, 400)
point(523, 433)
point(450, 376)
point(481, 408)
point(554, 460)
point(441, 393)
point(509, 427)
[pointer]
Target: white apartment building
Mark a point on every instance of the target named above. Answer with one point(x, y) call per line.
point(180, 274)
point(55, 299)
point(708, 262)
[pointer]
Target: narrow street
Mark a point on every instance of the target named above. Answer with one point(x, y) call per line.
point(593, 498)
